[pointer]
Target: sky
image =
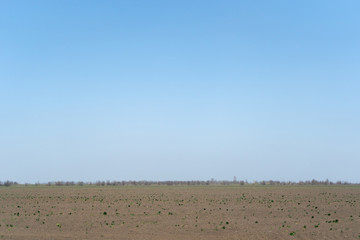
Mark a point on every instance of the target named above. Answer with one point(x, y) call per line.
point(179, 90)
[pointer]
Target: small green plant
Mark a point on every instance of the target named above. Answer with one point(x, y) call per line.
point(292, 233)
point(58, 225)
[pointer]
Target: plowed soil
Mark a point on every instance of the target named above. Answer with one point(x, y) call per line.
point(180, 212)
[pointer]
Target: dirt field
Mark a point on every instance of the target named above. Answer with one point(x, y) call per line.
point(207, 212)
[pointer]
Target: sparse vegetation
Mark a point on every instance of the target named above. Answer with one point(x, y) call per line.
point(302, 211)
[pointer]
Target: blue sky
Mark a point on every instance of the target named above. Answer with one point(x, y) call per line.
point(179, 90)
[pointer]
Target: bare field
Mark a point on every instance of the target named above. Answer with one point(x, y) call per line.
point(179, 212)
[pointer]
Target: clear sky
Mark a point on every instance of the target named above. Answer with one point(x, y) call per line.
point(179, 90)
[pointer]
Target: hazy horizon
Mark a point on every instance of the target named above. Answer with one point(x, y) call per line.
point(179, 90)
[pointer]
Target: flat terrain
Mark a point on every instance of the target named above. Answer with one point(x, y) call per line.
point(179, 212)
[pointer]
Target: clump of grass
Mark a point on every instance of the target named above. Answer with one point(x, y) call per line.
point(292, 233)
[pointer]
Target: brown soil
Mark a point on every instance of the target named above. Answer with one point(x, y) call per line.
point(211, 212)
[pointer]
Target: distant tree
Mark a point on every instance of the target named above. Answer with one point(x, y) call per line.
point(7, 183)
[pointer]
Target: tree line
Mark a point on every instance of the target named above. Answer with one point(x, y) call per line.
point(180, 183)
